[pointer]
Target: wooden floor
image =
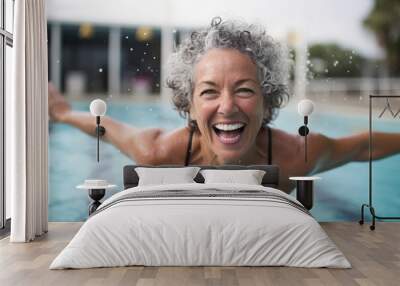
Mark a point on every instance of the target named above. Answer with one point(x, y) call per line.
point(374, 255)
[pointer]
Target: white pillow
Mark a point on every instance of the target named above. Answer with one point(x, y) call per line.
point(163, 176)
point(248, 177)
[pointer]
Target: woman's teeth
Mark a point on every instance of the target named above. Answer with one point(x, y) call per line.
point(229, 133)
point(228, 127)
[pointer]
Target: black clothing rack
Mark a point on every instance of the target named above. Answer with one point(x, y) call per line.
point(370, 205)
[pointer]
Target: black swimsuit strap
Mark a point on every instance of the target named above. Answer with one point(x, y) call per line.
point(269, 146)
point(189, 147)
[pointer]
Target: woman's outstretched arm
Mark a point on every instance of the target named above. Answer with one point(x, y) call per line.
point(329, 153)
point(144, 146)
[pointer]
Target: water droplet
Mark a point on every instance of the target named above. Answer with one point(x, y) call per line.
point(137, 69)
point(144, 53)
point(157, 84)
point(126, 37)
point(347, 71)
point(147, 44)
point(326, 70)
point(308, 62)
point(131, 49)
point(154, 58)
point(351, 57)
point(335, 63)
point(100, 70)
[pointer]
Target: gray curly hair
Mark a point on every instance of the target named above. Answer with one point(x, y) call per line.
point(268, 55)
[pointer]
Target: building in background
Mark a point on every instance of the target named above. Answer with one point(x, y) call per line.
point(97, 59)
point(120, 49)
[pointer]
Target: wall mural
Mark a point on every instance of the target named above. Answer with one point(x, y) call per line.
point(226, 92)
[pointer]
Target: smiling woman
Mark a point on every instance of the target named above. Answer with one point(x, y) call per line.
point(227, 105)
point(229, 81)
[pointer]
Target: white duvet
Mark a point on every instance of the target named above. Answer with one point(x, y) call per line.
point(181, 231)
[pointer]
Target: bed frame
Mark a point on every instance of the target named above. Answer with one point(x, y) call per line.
point(270, 179)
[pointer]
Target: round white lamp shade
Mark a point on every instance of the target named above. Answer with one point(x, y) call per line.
point(98, 107)
point(305, 107)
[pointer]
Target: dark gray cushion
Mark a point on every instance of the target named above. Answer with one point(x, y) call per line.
point(270, 179)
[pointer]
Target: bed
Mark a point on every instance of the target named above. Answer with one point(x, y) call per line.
point(201, 223)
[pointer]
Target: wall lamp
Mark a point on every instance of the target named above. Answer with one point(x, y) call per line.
point(98, 108)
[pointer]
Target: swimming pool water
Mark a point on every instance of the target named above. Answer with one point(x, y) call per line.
point(338, 196)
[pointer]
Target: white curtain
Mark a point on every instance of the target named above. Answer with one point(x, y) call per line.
point(27, 124)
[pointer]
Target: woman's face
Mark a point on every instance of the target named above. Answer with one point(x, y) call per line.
point(227, 103)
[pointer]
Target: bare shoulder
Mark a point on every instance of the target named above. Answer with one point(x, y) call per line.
point(288, 152)
point(171, 146)
point(294, 140)
point(283, 135)
point(290, 147)
point(285, 143)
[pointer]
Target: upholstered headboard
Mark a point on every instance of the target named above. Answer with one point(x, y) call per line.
point(270, 179)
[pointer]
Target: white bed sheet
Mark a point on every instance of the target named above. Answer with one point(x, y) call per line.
point(200, 231)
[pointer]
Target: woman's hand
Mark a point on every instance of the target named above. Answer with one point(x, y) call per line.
point(59, 108)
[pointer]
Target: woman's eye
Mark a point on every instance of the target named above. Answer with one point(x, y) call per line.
point(245, 91)
point(208, 91)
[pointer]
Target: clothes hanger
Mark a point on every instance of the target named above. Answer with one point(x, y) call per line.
point(388, 107)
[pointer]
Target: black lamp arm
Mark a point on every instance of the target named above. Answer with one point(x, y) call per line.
point(303, 131)
point(100, 131)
